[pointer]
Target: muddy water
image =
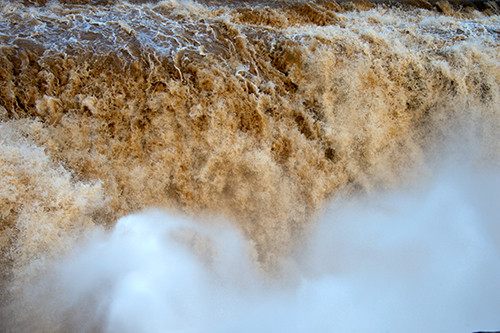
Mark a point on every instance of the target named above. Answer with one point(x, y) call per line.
point(260, 112)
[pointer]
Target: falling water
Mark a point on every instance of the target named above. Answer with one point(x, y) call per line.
point(249, 166)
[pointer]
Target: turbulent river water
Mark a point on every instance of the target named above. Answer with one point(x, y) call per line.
point(213, 166)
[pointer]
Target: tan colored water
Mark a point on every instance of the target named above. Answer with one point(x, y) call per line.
point(256, 111)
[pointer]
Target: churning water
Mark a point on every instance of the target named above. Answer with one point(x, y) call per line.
point(249, 166)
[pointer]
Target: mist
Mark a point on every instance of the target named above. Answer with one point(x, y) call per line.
point(424, 258)
point(303, 141)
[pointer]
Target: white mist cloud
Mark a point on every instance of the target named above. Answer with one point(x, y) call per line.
point(421, 260)
point(425, 260)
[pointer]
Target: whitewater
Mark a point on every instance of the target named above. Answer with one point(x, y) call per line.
point(213, 166)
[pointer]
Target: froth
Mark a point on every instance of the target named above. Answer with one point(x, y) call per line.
point(259, 113)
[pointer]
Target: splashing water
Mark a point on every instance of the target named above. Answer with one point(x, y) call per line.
point(425, 259)
point(263, 114)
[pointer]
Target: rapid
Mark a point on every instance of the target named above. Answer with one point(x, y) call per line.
point(213, 166)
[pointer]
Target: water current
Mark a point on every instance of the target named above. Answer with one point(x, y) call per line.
point(213, 166)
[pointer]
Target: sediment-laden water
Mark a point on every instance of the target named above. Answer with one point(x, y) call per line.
point(250, 118)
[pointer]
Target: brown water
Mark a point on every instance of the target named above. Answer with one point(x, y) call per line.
point(260, 112)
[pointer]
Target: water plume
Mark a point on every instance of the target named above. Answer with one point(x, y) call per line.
point(422, 259)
